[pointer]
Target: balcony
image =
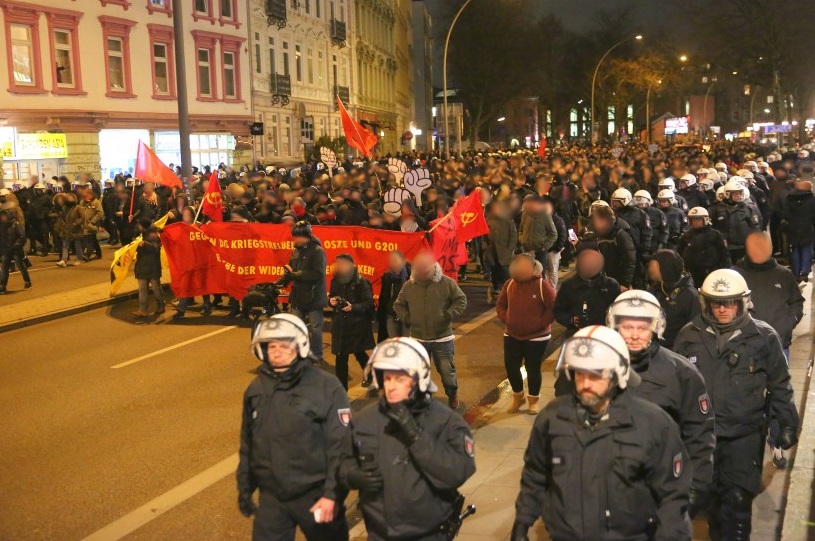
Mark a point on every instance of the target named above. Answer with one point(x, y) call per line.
point(338, 33)
point(342, 92)
point(280, 89)
point(276, 12)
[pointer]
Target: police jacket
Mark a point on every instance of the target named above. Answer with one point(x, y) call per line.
point(776, 298)
point(677, 223)
point(618, 250)
point(640, 227)
point(680, 302)
point(308, 264)
point(596, 293)
point(294, 433)
point(704, 248)
point(748, 364)
point(624, 478)
point(735, 221)
point(694, 197)
point(421, 481)
point(659, 229)
point(39, 207)
point(676, 386)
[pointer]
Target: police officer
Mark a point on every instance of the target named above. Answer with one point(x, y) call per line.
point(295, 430)
point(702, 248)
point(306, 271)
point(602, 464)
point(640, 231)
point(410, 453)
point(689, 189)
point(677, 221)
point(669, 381)
point(735, 219)
point(745, 373)
point(657, 219)
point(679, 201)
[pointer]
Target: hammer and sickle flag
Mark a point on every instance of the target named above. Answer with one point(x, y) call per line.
point(212, 205)
point(469, 217)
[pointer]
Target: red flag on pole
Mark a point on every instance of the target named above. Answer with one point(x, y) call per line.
point(542, 148)
point(469, 216)
point(212, 204)
point(150, 169)
point(357, 136)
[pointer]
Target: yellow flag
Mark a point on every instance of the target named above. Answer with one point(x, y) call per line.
point(125, 256)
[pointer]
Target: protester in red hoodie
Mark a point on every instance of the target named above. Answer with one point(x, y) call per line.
point(526, 307)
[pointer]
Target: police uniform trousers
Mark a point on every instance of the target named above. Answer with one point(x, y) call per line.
point(437, 536)
point(277, 521)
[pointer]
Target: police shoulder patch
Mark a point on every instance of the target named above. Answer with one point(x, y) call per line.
point(469, 445)
point(677, 466)
point(704, 404)
point(345, 415)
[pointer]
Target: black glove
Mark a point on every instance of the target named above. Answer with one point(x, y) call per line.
point(520, 532)
point(246, 504)
point(368, 481)
point(406, 428)
point(787, 437)
point(698, 500)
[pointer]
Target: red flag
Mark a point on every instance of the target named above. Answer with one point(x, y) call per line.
point(469, 216)
point(357, 136)
point(212, 204)
point(150, 169)
point(542, 148)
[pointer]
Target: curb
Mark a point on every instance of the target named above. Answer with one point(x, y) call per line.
point(110, 301)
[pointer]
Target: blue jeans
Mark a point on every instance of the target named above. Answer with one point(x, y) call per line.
point(315, 320)
point(185, 303)
point(801, 260)
point(441, 353)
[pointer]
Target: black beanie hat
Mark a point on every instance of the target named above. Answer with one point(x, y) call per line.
point(671, 266)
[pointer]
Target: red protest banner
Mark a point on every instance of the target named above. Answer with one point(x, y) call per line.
point(150, 168)
point(448, 250)
point(469, 213)
point(230, 257)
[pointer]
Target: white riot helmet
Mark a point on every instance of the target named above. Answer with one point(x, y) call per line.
point(722, 176)
point(666, 195)
point(720, 195)
point(636, 304)
point(735, 184)
point(724, 286)
point(688, 179)
point(721, 167)
point(706, 184)
point(5, 192)
point(405, 355)
point(643, 197)
point(282, 328)
point(601, 351)
point(699, 212)
point(667, 184)
point(750, 165)
point(39, 186)
point(595, 204)
point(745, 174)
point(702, 172)
point(622, 195)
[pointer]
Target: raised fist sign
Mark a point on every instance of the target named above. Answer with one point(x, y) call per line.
point(397, 168)
point(392, 202)
point(416, 181)
point(328, 157)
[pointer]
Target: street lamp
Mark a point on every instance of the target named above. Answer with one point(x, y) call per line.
point(683, 58)
point(648, 111)
point(704, 105)
point(638, 37)
point(489, 128)
point(444, 76)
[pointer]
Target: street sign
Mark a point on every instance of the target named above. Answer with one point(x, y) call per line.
point(778, 128)
point(256, 128)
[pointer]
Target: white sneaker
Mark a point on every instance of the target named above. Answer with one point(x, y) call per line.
point(62, 263)
point(76, 263)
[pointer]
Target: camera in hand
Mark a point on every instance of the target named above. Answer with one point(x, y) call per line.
point(341, 303)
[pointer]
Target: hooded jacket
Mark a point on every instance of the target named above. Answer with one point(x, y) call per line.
point(587, 300)
point(799, 214)
point(775, 295)
point(308, 264)
point(429, 306)
point(12, 235)
point(527, 308)
point(618, 250)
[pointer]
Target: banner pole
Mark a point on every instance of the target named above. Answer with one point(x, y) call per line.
point(198, 212)
point(440, 222)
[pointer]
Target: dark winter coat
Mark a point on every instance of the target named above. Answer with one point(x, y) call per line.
point(775, 295)
point(39, 207)
point(639, 227)
point(562, 234)
point(69, 222)
point(680, 302)
point(596, 294)
point(391, 285)
point(799, 215)
point(12, 237)
point(352, 213)
point(500, 244)
point(308, 264)
point(659, 229)
point(619, 252)
point(677, 224)
point(429, 306)
point(694, 197)
point(148, 260)
point(537, 231)
point(351, 331)
point(735, 221)
point(703, 249)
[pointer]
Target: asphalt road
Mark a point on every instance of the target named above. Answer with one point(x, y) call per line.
point(84, 444)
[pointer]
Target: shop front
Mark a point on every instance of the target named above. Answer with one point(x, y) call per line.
point(42, 154)
point(117, 150)
point(206, 148)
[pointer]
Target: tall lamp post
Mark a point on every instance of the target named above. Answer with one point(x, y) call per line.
point(648, 112)
point(181, 87)
point(704, 106)
point(638, 37)
point(444, 76)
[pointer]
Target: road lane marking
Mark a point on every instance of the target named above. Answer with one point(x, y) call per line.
point(174, 346)
point(170, 499)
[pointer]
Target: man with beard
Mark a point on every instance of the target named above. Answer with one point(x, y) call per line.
point(746, 375)
point(602, 464)
point(669, 381)
point(294, 434)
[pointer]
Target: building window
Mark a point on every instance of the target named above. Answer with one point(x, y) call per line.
point(204, 73)
point(573, 123)
point(116, 36)
point(308, 7)
point(66, 74)
point(258, 68)
point(230, 88)
point(22, 54)
point(285, 58)
point(272, 57)
point(161, 51)
point(630, 119)
point(317, 7)
point(202, 9)
point(310, 66)
point(160, 6)
point(63, 58)
point(307, 129)
point(124, 3)
point(320, 67)
point(298, 63)
point(229, 13)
